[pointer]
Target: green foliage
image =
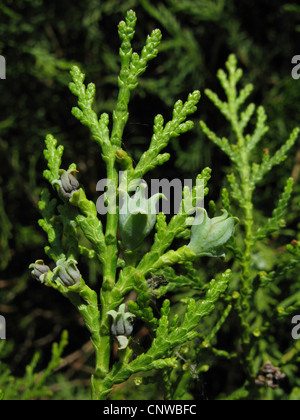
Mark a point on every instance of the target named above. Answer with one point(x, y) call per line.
point(252, 319)
point(253, 299)
point(77, 212)
point(32, 385)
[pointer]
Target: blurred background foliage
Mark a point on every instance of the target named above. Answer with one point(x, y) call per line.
point(41, 41)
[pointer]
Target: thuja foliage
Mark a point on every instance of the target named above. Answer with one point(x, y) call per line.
point(33, 384)
point(256, 294)
point(146, 258)
point(127, 266)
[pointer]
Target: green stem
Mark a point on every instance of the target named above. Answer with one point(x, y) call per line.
point(120, 118)
point(109, 280)
point(244, 169)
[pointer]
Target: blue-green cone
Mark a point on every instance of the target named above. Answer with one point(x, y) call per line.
point(67, 182)
point(40, 270)
point(137, 217)
point(209, 235)
point(66, 272)
point(121, 327)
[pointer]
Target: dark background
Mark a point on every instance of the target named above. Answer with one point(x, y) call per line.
point(41, 41)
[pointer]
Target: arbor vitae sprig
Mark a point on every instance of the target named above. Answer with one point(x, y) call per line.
point(245, 175)
point(33, 385)
point(128, 265)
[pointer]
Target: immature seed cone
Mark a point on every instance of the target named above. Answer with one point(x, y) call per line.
point(121, 327)
point(137, 217)
point(67, 183)
point(209, 235)
point(66, 272)
point(39, 270)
